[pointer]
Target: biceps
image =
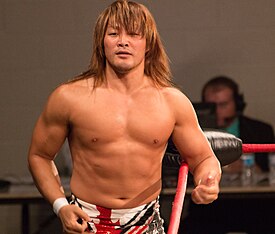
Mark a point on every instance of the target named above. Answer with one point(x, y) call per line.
point(191, 144)
point(47, 138)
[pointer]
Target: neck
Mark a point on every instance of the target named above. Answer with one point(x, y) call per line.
point(125, 82)
point(229, 121)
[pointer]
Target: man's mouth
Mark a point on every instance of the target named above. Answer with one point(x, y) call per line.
point(123, 53)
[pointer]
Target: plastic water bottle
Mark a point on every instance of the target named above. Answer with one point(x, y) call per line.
point(248, 169)
point(271, 159)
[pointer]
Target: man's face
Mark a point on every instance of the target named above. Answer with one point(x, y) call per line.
point(225, 104)
point(124, 51)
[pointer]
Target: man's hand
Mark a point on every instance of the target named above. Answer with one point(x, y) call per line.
point(70, 216)
point(207, 189)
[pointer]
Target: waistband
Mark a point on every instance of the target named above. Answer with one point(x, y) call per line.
point(119, 221)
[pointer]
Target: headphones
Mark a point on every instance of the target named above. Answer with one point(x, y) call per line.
point(223, 81)
point(240, 103)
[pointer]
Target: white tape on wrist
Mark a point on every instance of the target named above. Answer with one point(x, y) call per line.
point(59, 203)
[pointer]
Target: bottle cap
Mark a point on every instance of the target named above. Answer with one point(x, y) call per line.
point(248, 160)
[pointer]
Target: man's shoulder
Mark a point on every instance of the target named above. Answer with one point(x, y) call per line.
point(72, 87)
point(255, 131)
point(173, 92)
point(174, 96)
point(255, 122)
point(66, 94)
point(178, 101)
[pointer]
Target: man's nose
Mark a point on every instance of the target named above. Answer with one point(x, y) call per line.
point(123, 40)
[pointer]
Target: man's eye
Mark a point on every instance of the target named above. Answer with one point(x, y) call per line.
point(134, 34)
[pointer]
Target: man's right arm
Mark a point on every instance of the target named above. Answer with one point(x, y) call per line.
point(48, 136)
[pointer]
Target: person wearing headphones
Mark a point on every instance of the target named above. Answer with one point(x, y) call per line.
point(230, 105)
point(233, 215)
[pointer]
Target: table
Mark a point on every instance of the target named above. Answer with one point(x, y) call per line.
point(225, 191)
point(233, 197)
point(231, 186)
point(27, 193)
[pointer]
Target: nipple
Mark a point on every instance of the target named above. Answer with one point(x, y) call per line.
point(156, 141)
point(94, 140)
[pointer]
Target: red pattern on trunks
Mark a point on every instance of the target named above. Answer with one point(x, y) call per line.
point(105, 225)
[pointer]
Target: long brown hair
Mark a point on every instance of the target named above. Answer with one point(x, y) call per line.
point(132, 17)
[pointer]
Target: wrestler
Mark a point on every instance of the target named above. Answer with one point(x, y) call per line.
point(117, 117)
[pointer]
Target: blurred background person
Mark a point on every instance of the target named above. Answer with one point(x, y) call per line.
point(233, 215)
point(230, 105)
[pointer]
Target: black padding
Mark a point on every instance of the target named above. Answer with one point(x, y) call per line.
point(172, 159)
point(226, 147)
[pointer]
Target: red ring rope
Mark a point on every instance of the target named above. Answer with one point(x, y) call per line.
point(257, 148)
point(182, 182)
point(178, 200)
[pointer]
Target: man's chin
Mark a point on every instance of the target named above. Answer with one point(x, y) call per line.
point(122, 69)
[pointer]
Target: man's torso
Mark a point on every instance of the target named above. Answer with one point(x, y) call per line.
point(117, 143)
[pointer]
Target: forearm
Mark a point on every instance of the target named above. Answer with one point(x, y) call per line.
point(208, 166)
point(46, 177)
point(207, 175)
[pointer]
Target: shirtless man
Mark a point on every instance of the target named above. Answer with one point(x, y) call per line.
point(118, 117)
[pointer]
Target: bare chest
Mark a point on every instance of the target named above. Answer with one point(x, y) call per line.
point(145, 120)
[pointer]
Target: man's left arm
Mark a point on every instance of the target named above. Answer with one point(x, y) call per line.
point(195, 149)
